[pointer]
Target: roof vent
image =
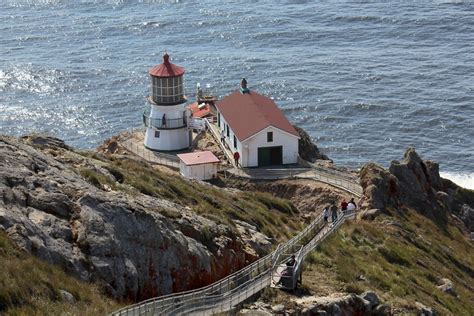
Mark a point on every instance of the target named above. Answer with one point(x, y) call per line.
point(243, 86)
point(166, 58)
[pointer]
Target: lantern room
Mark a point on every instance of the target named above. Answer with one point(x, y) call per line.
point(167, 84)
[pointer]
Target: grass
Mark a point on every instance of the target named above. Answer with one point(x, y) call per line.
point(29, 286)
point(275, 217)
point(402, 259)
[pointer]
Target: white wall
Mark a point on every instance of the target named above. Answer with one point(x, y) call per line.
point(230, 142)
point(280, 138)
point(170, 139)
point(199, 172)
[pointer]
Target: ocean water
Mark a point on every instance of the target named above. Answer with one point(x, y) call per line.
point(365, 79)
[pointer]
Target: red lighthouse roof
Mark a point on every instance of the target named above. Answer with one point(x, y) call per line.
point(166, 69)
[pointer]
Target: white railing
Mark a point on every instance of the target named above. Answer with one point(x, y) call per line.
point(227, 293)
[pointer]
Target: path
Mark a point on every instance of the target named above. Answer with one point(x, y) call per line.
point(229, 292)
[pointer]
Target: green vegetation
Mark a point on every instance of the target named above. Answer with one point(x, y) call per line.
point(402, 259)
point(29, 286)
point(273, 216)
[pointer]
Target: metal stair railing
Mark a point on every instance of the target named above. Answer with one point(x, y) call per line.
point(225, 294)
point(227, 283)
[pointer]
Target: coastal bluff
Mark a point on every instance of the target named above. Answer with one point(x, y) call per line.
point(416, 184)
point(71, 211)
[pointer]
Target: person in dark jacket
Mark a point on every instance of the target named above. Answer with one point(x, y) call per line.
point(334, 212)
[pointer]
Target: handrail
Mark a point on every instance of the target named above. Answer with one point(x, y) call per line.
point(226, 293)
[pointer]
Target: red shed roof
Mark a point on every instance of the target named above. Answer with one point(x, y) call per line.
point(249, 113)
point(204, 111)
point(198, 158)
point(166, 69)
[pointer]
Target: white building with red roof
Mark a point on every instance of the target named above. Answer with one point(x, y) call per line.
point(201, 165)
point(256, 128)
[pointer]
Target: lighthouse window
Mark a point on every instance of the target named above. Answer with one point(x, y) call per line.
point(157, 134)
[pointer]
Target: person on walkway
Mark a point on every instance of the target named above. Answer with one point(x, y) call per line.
point(326, 214)
point(236, 158)
point(351, 206)
point(163, 120)
point(222, 137)
point(344, 206)
point(334, 212)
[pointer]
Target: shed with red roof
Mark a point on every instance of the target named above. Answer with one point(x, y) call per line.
point(255, 127)
point(200, 165)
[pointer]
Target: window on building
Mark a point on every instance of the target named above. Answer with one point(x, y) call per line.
point(157, 134)
point(235, 142)
point(269, 137)
point(219, 120)
point(228, 132)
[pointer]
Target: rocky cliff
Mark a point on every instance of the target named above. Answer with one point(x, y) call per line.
point(79, 213)
point(416, 184)
point(307, 149)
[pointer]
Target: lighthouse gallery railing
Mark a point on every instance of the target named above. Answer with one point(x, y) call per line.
point(164, 124)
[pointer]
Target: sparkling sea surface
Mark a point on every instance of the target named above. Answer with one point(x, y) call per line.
point(365, 79)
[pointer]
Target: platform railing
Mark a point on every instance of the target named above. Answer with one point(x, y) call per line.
point(167, 123)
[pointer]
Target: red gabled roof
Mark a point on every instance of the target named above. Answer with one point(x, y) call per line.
point(249, 113)
point(166, 69)
point(198, 158)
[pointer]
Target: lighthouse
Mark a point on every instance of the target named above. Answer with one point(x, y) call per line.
point(167, 121)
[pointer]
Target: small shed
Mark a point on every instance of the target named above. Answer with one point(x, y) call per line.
point(200, 165)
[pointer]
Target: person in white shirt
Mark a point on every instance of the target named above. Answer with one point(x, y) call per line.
point(351, 206)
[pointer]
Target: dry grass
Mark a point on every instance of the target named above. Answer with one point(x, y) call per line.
point(402, 259)
point(273, 216)
point(29, 286)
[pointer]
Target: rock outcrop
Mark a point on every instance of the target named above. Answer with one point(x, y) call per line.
point(416, 184)
point(366, 303)
point(119, 240)
point(307, 149)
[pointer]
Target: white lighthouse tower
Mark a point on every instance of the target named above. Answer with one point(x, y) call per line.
point(166, 125)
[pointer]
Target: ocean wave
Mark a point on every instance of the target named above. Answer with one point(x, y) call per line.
point(465, 180)
point(33, 79)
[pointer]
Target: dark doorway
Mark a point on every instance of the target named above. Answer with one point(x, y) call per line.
point(268, 156)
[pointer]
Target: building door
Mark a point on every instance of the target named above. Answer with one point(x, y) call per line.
point(268, 156)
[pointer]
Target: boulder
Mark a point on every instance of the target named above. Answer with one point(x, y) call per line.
point(67, 297)
point(446, 285)
point(45, 141)
point(306, 148)
point(369, 214)
point(423, 310)
point(382, 310)
point(381, 188)
point(371, 297)
point(278, 309)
